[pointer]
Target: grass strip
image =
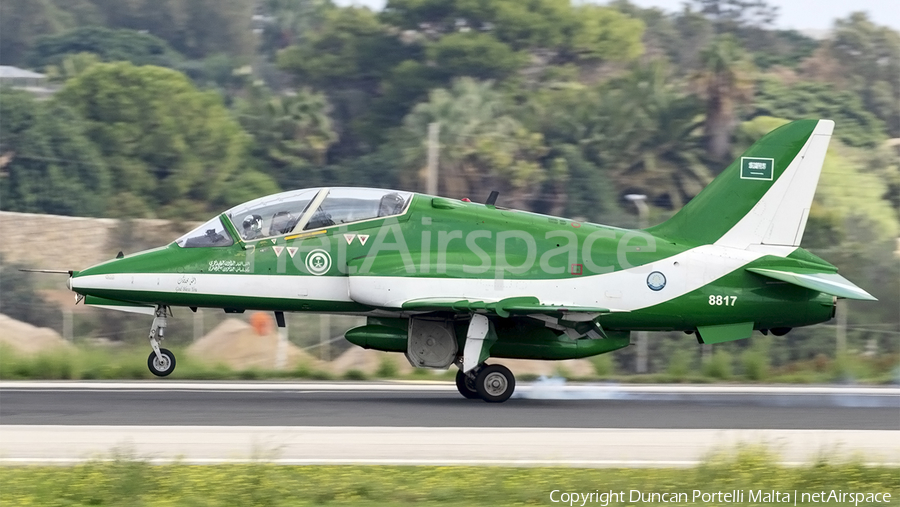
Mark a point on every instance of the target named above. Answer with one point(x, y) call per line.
point(130, 363)
point(126, 481)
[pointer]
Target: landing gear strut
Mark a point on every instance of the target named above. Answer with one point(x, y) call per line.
point(161, 361)
point(492, 383)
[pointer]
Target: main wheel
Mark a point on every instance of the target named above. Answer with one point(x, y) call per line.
point(495, 383)
point(466, 386)
point(163, 367)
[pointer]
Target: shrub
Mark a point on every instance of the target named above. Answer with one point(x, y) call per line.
point(354, 375)
point(718, 366)
point(680, 363)
point(387, 368)
point(604, 365)
point(755, 363)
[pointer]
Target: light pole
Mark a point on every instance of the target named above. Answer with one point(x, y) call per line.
point(640, 201)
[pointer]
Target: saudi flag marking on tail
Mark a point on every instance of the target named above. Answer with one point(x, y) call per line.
point(754, 168)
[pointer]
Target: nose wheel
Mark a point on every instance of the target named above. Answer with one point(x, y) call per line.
point(161, 361)
point(163, 364)
point(492, 383)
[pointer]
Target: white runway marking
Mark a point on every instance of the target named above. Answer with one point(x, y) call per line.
point(593, 447)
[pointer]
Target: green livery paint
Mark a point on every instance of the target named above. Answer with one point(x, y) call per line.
point(732, 195)
point(725, 332)
point(448, 281)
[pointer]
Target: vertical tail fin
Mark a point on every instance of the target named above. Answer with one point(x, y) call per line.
point(763, 197)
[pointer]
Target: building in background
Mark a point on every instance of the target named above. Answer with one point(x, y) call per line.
point(27, 80)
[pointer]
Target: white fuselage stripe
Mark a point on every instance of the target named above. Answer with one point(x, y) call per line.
point(246, 285)
point(624, 290)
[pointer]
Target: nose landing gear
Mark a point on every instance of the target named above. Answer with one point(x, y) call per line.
point(161, 361)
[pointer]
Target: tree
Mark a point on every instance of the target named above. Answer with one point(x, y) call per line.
point(167, 143)
point(582, 32)
point(732, 15)
point(650, 138)
point(724, 81)
point(291, 133)
point(871, 54)
point(854, 125)
point(51, 165)
point(348, 57)
point(287, 22)
point(640, 131)
point(404, 86)
point(21, 23)
point(195, 28)
point(352, 49)
point(473, 54)
point(481, 145)
point(109, 45)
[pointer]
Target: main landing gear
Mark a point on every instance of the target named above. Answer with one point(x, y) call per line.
point(161, 361)
point(492, 383)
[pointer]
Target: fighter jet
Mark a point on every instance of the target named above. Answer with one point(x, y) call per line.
point(452, 282)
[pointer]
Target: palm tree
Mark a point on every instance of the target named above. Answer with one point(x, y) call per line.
point(646, 132)
point(726, 79)
point(292, 133)
point(303, 122)
point(481, 146)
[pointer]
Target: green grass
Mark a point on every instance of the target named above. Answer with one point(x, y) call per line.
point(130, 482)
point(102, 363)
point(130, 363)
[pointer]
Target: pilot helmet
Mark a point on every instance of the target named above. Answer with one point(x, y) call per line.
point(253, 223)
point(391, 204)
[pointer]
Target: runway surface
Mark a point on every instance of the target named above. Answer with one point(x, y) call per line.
point(421, 423)
point(432, 405)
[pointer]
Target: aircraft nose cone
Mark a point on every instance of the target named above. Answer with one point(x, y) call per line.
point(69, 282)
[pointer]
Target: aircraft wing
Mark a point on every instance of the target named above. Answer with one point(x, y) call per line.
point(829, 283)
point(122, 306)
point(526, 305)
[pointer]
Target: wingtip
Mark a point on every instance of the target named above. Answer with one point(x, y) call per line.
point(824, 128)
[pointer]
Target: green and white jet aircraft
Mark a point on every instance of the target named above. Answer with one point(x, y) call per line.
point(448, 281)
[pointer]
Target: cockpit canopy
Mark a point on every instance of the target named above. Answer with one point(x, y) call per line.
point(299, 210)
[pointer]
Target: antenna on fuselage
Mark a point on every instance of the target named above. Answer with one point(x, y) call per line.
point(492, 199)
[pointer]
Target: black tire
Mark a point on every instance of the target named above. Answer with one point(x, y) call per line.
point(466, 386)
point(780, 331)
point(161, 370)
point(495, 383)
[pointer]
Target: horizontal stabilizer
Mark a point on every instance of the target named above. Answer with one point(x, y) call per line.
point(829, 283)
point(503, 308)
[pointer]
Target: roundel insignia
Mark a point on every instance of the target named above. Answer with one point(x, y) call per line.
point(656, 280)
point(318, 262)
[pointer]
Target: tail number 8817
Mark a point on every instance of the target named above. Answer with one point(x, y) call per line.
point(722, 300)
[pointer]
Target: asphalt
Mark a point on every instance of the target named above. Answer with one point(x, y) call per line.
point(427, 406)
